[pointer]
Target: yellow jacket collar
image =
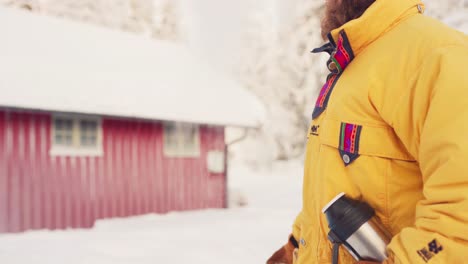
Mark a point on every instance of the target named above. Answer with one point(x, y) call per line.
point(379, 18)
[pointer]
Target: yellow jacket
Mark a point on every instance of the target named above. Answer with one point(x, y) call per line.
point(390, 127)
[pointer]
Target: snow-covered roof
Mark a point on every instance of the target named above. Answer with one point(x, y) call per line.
point(54, 64)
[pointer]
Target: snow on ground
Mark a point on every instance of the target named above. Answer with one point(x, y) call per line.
point(240, 235)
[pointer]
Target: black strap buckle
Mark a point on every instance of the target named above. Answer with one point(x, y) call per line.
point(293, 241)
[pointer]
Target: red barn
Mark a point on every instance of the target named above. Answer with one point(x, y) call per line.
point(96, 124)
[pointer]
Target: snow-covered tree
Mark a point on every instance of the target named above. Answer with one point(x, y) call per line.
point(452, 12)
point(109, 13)
point(166, 22)
point(279, 68)
point(31, 5)
point(155, 18)
point(256, 72)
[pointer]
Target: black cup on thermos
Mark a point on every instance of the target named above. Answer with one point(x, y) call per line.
point(353, 224)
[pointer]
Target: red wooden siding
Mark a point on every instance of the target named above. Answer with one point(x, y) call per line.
point(132, 177)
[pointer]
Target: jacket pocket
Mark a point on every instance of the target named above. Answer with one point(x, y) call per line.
point(352, 140)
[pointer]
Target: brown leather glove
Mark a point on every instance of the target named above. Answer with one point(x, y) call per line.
point(286, 254)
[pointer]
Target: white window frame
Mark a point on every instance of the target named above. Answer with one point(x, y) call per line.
point(176, 151)
point(76, 149)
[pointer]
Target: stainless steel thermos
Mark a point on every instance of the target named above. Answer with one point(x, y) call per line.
point(353, 224)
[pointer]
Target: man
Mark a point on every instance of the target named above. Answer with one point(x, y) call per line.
point(390, 127)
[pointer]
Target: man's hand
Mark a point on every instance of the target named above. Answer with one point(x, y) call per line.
point(286, 254)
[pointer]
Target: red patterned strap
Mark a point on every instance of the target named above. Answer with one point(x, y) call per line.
point(339, 60)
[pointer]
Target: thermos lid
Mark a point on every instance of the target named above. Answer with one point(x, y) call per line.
point(325, 208)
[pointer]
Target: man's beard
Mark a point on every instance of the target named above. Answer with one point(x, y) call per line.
point(339, 12)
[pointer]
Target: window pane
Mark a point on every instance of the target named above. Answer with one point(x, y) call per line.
point(58, 124)
point(88, 125)
point(170, 135)
point(88, 133)
point(63, 124)
point(188, 137)
point(59, 139)
point(88, 140)
point(181, 139)
point(63, 130)
point(68, 139)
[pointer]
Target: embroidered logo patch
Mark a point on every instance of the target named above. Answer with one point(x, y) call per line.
point(432, 249)
point(314, 130)
point(339, 60)
point(349, 142)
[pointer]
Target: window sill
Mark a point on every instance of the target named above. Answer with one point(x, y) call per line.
point(76, 152)
point(176, 154)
